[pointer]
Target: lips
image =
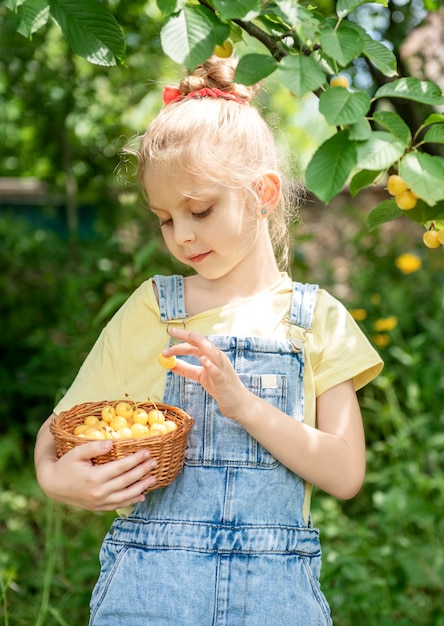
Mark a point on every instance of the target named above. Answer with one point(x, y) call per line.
point(197, 258)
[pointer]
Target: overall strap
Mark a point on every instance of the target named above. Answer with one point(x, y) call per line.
point(302, 304)
point(171, 297)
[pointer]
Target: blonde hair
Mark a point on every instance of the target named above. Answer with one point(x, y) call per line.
point(227, 142)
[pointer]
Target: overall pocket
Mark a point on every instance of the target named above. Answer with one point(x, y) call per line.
point(216, 440)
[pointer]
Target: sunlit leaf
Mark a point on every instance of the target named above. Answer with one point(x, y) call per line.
point(434, 118)
point(380, 151)
point(189, 37)
point(424, 174)
point(381, 56)
point(345, 7)
point(330, 166)
point(32, 15)
point(394, 123)
point(254, 67)
point(340, 106)
point(412, 89)
point(360, 130)
point(343, 44)
point(300, 74)
point(435, 134)
point(90, 29)
point(233, 9)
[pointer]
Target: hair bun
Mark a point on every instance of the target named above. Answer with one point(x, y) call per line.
point(218, 73)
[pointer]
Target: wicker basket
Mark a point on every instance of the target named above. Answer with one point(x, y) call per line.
point(168, 449)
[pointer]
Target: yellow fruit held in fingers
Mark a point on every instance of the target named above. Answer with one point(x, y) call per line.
point(396, 185)
point(339, 81)
point(406, 200)
point(225, 50)
point(431, 239)
point(168, 362)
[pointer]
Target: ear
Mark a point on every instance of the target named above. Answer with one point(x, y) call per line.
point(269, 191)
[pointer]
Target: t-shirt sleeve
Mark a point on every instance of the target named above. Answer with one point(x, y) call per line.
point(123, 360)
point(343, 352)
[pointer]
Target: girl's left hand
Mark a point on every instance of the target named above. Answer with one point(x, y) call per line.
point(215, 372)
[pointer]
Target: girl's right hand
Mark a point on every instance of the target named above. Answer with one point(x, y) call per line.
point(75, 480)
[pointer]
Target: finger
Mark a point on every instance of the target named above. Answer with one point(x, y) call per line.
point(132, 464)
point(90, 450)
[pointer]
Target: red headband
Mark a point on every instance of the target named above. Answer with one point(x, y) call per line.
point(172, 94)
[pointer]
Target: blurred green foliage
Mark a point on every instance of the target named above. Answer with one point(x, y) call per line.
point(383, 550)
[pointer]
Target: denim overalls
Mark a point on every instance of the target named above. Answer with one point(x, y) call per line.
point(226, 543)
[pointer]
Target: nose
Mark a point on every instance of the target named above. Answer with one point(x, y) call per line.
point(183, 231)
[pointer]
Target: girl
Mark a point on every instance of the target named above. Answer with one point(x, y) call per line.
point(268, 368)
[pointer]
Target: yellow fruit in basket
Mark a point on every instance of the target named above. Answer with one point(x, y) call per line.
point(124, 433)
point(119, 422)
point(93, 433)
point(91, 420)
point(124, 409)
point(159, 429)
point(170, 425)
point(110, 433)
point(108, 412)
point(140, 416)
point(139, 430)
point(78, 430)
point(168, 362)
point(155, 417)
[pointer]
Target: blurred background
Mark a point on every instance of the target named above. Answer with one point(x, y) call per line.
point(76, 239)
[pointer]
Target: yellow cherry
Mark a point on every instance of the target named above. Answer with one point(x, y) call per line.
point(339, 81)
point(124, 409)
point(406, 200)
point(168, 362)
point(225, 50)
point(431, 239)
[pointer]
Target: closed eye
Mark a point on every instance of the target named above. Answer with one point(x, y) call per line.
point(203, 214)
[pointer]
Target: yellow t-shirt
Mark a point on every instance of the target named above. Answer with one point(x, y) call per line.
point(124, 358)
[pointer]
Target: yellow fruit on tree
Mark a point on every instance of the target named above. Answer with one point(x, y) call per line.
point(396, 185)
point(225, 50)
point(339, 81)
point(431, 239)
point(406, 200)
point(441, 236)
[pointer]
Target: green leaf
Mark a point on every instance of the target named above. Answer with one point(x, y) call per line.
point(361, 130)
point(166, 7)
point(340, 106)
point(425, 175)
point(13, 4)
point(410, 88)
point(435, 134)
point(330, 166)
point(394, 123)
point(254, 67)
point(434, 118)
point(189, 37)
point(345, 7)
point(32, 15)
point(90, 29)
point(387, 211)
point(235, 10)
point(423, 213)
point(300, 74)
point(342, 44)
point(380, 151)
point(362, 179)
point(381, 56)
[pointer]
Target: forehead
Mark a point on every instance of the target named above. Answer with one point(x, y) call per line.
point(165, 183)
